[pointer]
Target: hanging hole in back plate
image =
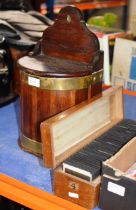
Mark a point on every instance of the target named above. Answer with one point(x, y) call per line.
point(68, 18)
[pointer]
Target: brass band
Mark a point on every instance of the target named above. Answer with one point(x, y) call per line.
point(30, 145)
point(73, 83)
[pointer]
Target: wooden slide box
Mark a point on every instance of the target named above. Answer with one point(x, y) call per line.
point(67, 132)
point(118, 189)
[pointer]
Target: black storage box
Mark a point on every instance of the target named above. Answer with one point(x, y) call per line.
point(118, 189)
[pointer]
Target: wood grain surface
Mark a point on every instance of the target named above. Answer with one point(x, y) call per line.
point(86, 194)
point(68, 50)
point(38, 105)
point(69, 37)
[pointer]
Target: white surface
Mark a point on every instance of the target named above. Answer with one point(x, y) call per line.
point(70, 131)
point(33, 81)
point(78, 170)
point(73, 195)
point(115, 188)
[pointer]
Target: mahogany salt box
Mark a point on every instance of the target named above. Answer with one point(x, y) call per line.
point(64, 70)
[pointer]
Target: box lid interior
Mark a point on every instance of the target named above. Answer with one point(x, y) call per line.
point(124, 159)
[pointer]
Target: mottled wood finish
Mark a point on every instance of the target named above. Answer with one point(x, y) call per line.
point(47, 66)
point(68, 50)
point(69, 37)
point(38, 105)
point(87, 193)
point(96, 89)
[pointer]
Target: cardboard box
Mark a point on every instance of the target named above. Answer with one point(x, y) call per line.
point(124, 64)
point(118, 189)
point(67, 132)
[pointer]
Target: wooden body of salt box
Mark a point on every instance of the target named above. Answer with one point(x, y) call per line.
point(65, 70)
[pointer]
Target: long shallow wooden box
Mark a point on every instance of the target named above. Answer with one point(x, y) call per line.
point(67, 132)
point(118, 189)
